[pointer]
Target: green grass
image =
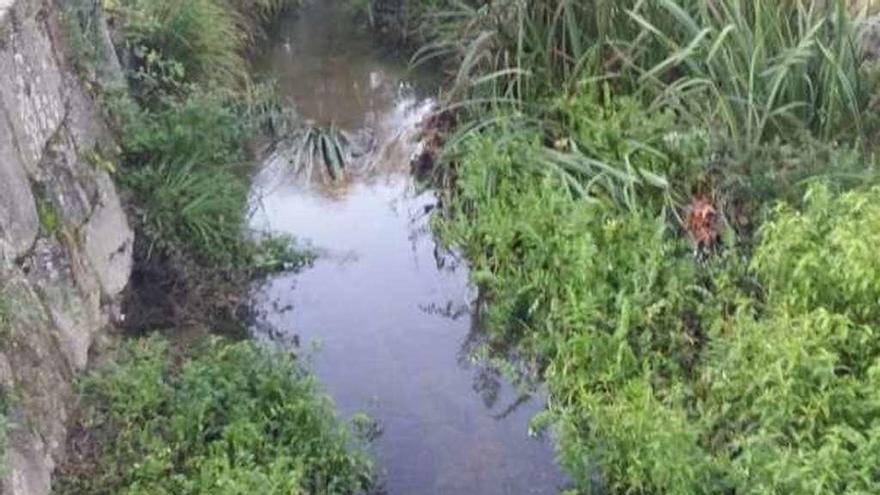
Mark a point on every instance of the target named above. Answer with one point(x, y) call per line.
point(203, 36)
point(223, 419)
point(761, 70)
point(201, 41)
point(185, 162)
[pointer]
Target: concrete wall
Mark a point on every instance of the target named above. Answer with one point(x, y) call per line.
point(59, 277)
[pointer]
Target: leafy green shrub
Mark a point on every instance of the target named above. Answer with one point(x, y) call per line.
point(794, 405)
point(824, 256)
point(598, 294)
point(792, 392)
point(229, 419)
point(202, 127)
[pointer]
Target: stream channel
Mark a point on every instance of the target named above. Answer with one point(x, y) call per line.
point(390, 314)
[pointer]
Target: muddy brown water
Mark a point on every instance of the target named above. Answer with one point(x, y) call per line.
point(390, 313)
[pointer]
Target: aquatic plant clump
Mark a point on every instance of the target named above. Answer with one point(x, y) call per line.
point(311, 149)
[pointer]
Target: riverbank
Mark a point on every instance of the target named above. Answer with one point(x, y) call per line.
point(668, 210)
point(184, 114)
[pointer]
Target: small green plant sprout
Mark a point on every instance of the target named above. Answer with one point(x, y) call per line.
point(50, 219)
point(100, 162)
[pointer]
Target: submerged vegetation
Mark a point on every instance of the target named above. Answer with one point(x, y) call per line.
point(229, 419)
point(671, 207)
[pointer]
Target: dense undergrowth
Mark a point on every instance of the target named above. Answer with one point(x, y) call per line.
point(671, 206)
point(186, 125)
point(222, 419)
point(185, 114)
point(173, 416)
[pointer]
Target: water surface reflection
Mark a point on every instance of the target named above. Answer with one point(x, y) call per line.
point(395, 327)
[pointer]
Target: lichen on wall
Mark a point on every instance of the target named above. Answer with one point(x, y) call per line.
point(65, 243)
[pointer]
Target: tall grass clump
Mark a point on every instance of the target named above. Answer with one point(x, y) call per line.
point(223, 419)
point(312, 149)
point(185, 162)
point(201, 36)
point(748, 68)
point(524, 50)
point(762, 69)
point(204, 39)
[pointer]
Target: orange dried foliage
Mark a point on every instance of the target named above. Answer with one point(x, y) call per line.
point(702, 223)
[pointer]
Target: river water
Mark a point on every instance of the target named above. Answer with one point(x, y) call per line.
point(390, 312)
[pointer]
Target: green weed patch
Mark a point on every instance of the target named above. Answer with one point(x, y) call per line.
point(668, 376)
point(223, 419)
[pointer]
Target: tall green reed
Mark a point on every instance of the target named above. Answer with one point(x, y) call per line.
point(748, 68)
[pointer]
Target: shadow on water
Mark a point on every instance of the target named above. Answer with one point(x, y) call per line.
point(392, 312)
